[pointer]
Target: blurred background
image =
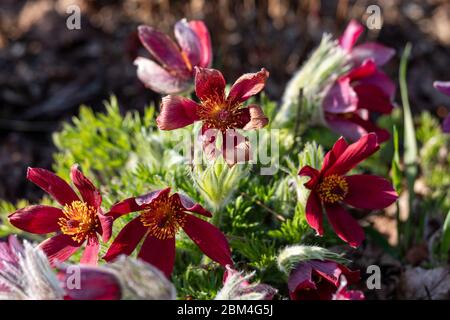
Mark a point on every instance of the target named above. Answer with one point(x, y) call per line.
point(47, 70)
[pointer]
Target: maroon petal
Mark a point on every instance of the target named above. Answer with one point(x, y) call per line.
point(314, 214)
point(53, 185)
point(177, 112)
point(354, 127)
point(189, 205)
point(59, 248)
point(88, 191)
point(158, 79)
point(300, 278)
point(209, 239)
point(372, 50)
point(148, 198)
point(37, 219)
point(188, 41)
point(127, 239)
point(124, 207)
point(209, 85)
point(366, 69)
point(312, 173)
point(443, 86)
point(160, 253)
point(202, 32)
point(382, 81)
point(350, 35)
point(354, 154)
point(328, 270)
point(90, 254)
point(340, 98)
point(95, 284)
point(163, 49)
point(345, 226)
point(257, 120)
point(369, 192)
point(235, 148)
point(105, 228)
point(246, 86)
point(372, 98)
point(330, 158)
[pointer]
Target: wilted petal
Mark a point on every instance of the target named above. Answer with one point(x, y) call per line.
point(202, 32)
point(177, 112)
point(372, 50)
point(158, 79)
point(350, 35)
point(209, 85)
point(209, 239)
point(37, 219)
point(88, 191)
point(188, 41)
point(53, 185)
point(340, 98)
point(345, 226)
point(369, 192)
point(257, 120)
point(246, 86)
point(59, 248)
point(159, 253)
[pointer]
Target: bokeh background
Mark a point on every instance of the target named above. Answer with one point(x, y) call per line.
point(47, 70)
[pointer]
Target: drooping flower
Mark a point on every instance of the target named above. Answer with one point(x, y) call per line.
point(172, 70)
point(161, 216)
point(331, 188)
point(314, 273)
point(79, 221)
point(352, 99)
point(218, 113)
point(236, 286)
point(343, 294)
point(444, 87)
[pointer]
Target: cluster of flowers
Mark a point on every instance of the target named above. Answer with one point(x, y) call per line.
point(347, 107)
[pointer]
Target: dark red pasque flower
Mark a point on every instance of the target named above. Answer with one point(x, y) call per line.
point(216, 111)
point(331, 189)
point(77, 222)
point(161, 216)
point(173, 69)
point(364, 90)
point(318, 279)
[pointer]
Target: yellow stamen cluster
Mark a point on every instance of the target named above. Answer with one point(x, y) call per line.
point(79, 220)
point(164, 217)
point(218, 114)
point(333, 188)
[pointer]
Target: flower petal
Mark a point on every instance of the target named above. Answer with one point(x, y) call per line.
point(372, 50)
point(127, 239)
point(340, 97)
point(90, 254)
point(89, 193)
point(202, 32)
point(369, 192)
point(314, 174)
point(163, 49)
point(59, 248)
point(345, 226)
point(189, 205)
point(257, 120)
point(209, 239)
point(177, 112)
point(350, 35)
point(158, 79)
point(354, 127)
point(364, 70)
point(329, 270)
point(354, 154)
point(314, 214)
point(372, 98)
point(442, 86)
point(209, 85)
point(188, 41)
point(246, 86)
point(330, 158)
point(105, 228)
point(235, 148)
point(37, 219)
point(382, 81)
point(53, 185)
point(300, 278)
point(159, 253)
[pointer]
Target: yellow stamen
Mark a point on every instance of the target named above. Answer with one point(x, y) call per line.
point(218, 114)
point(333, 188)
point(79, 220)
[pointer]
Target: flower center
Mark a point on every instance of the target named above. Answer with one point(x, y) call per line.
point(219, 115)
point(79, 220)
point(164, 217)
point(332, 188)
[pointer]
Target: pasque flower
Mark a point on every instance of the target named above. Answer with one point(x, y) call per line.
point(161, 216)
point(77, 221)
point(218, 113)
point(352, 99)
point(172, 69)
point(331, 188)
point(444, 87)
